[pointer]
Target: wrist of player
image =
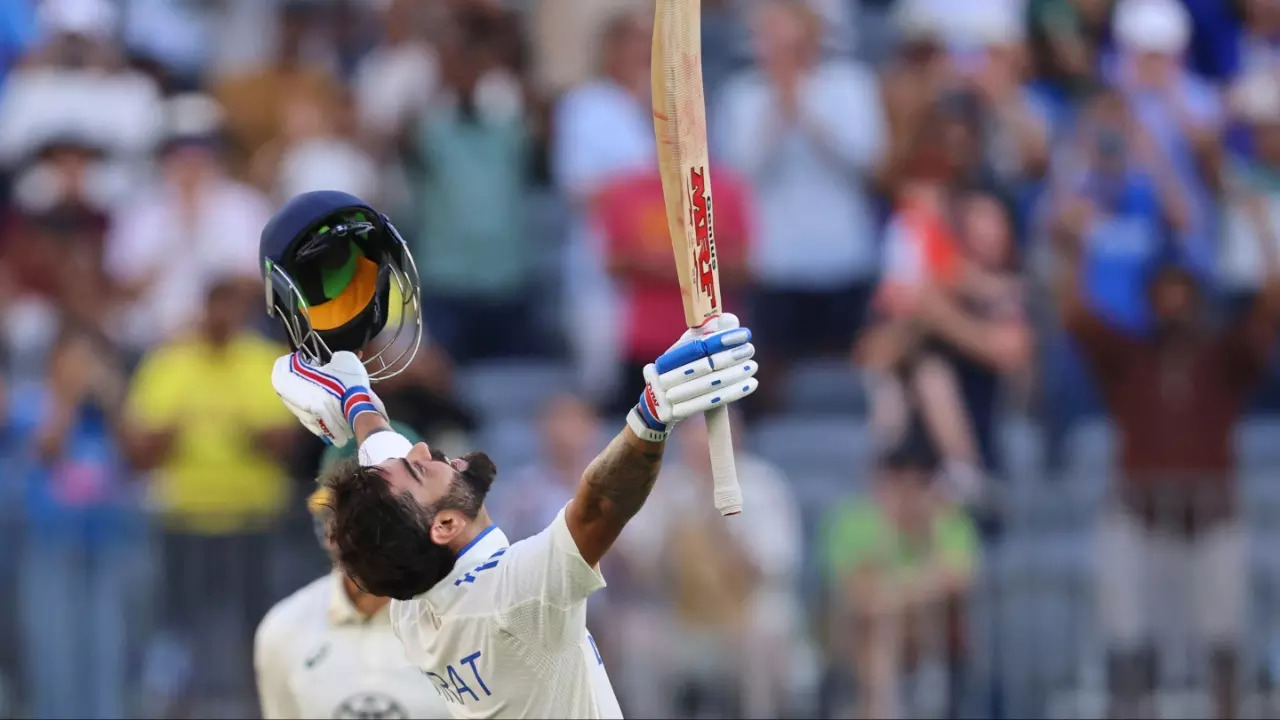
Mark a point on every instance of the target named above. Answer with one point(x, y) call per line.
point(645, 418)
point(359, 400)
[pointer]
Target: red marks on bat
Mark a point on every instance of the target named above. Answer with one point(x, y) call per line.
point(660, 115)
point(700, 217)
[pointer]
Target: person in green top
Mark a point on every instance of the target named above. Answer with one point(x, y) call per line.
point(899, 563)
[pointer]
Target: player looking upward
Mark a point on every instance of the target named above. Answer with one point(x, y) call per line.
point(499, 629)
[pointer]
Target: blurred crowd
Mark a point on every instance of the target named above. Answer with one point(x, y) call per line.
point(1012, 271)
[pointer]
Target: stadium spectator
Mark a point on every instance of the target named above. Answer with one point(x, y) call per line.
point(601, 130)
point(1255, 52)
point(568, 41)
point(316, 151)
point(194, 224)
point(256, 98)
point(1180, 112)
point(706, 607)
point(1173, 530)
point(899, 566)
point(57, 220)
point(533, 494)
point(1119, 195)
point(807, 135)
point(84, 527)
point(473, 146)
point(393, 85)
point(206, 425)
point(18, 22)
point(631, 215)
point(397, 80)
point(1251, 190)
point(1115, 193)
point(953, 323)
point(74, 82)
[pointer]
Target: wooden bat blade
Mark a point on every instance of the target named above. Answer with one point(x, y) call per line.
point(680, 128)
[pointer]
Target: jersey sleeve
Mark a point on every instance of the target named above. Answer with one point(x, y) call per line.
point(271, 669)
point(544, 587)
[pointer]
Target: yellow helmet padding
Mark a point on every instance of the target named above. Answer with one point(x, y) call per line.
point(355, 299)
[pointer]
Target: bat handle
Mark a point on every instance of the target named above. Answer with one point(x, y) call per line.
point(728, 495)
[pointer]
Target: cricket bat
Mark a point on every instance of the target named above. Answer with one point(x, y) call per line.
point(680, 125)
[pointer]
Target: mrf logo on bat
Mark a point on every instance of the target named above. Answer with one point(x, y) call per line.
point(704, 254)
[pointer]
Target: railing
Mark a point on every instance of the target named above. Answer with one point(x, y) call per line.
point(148, 623)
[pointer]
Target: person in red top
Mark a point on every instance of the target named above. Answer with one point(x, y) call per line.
point(631, 215)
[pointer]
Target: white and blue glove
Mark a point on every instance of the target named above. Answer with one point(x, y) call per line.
point(706, 368)
point(328, 398)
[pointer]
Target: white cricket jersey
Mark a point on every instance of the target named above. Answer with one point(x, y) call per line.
point(317, 656)
point(505, 635)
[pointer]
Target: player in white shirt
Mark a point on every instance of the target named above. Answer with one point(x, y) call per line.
point(498, 629)
point(328, 651)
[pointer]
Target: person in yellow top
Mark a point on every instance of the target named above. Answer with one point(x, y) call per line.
point(213, 434)
point(205, 425)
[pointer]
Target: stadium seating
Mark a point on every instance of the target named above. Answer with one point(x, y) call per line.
point(807, 446)
point(509, 389)
point(824, 388)
point(511, 442)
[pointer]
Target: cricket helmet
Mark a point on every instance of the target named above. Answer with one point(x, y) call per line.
point(335, 272)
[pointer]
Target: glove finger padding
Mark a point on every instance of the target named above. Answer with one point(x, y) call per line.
point(702, 403)
point(712, 383)
point(706, 365)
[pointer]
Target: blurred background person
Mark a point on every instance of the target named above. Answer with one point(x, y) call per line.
point(58, 213)
point(1125, 210)
point(1178, 110)
point(214, 442)
point(173, 238)
point(85, 531)
point(1176, 395)
point(473, 147)
point(1251, 190)
point(631, 216)
point(899, 567)
point(602, 130)
point(302, 70)
point(533, 494)
point(1137, 131)
point(706, 608)
point(74, 80)
point(807, 134)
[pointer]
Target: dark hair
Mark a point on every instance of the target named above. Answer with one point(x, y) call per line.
point(913, 450)
point(382, 538)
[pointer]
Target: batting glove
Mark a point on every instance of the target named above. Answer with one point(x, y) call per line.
point(706, 368)
point(328, 398)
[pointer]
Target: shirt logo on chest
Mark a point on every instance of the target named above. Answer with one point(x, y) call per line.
point(370, 706)
point(315, 657)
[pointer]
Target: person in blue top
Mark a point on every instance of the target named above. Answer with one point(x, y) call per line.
point(1126, 208)
point(83, 530)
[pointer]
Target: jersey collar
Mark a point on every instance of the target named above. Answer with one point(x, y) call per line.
point(483, 545)
point(480, 540)
point(491, 540)
point(344, 612)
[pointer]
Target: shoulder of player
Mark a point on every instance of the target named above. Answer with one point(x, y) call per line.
point(296, 610)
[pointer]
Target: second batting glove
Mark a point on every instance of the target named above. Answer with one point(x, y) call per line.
point(706, 368)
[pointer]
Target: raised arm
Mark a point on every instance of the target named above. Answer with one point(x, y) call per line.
point(612, 491)
point(699, 372)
